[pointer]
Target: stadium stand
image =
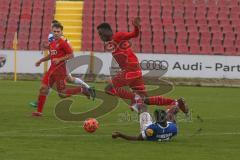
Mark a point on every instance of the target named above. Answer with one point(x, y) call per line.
point(30, 19)
point(174, 26)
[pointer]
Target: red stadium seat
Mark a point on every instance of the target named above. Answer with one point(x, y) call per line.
point(158, 36)
point(211, 15)
point(193, 41)
point(205, 41)
point(98, 46)
point(178, 21)
point(34, 44)
point(182, 49)
point(215, 28)
point(230, 50)
point(22, 44)
point(169, 40)
point(217, 42)
point(158, 48)
point(190, 21)
point(193, 35)
point(228, 42)
point(192, 28)
point(224, 22)
point(223, 15)
point(167, 21)
point(218, 35)
point(147, 47)
point(219, 50)
point(213, 22)
point(171, 48)
point(155, 12)
point(182, 34)
point(136, 46)
point(229, 35)
point(206, 49)
point(168, 28)
point(181, 41)
point(195, 49)
point(203, 28)
point(180, 28)
point(202, 21)
point(227, 28)
point(87, 46)
point(201, 15)
point(8, 44)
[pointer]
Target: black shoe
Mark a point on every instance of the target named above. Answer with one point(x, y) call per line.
point(92, 92)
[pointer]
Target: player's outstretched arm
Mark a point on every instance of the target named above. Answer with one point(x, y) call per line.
point(133, 34)
point(116, 135)
point(42, 60)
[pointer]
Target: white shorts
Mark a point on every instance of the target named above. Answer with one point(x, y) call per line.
point(145, 120)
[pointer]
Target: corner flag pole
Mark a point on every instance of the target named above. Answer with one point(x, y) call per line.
point(15, 42)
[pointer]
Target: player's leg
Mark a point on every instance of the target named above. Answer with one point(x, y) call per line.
point(164, 101)
point(43, 92)
point(47, 81)
point(138, 87)
point(64, 91)
point(115, 87)
point(172, 111)
point(145, 120)
point(78, 81)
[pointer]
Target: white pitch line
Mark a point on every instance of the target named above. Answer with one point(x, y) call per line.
point(60, 128)
point(109, 135)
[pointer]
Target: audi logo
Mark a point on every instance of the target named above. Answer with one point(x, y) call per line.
point(154, 65)
point(2, 61)
point(113, 46)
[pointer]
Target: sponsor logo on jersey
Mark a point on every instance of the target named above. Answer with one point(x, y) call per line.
point(149, 132)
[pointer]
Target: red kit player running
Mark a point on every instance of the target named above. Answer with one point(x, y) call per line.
point(59, 52)
point(131, 74)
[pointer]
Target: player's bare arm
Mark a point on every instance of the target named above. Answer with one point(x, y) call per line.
point(45, 45)
point(42, 60)
point(67, 57)
point(116, 135)
point(136, 22)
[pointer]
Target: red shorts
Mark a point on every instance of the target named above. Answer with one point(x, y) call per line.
point(132, 79)
point(55, 77)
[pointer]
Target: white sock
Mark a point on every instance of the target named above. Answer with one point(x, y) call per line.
point(145, 120)
point(81, 82)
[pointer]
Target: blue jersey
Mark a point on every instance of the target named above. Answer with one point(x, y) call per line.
point(155, 132)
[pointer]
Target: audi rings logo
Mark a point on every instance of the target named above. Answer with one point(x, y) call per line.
point(2, 61)
point(154, 65)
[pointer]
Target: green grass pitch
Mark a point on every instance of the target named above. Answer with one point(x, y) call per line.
point(23, 137)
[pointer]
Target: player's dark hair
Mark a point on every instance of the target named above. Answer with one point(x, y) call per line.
point(160, 115)
point(104, 26)
point(57, 25)
point(55, 21)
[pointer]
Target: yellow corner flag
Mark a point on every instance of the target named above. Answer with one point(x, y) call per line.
point(15, 42)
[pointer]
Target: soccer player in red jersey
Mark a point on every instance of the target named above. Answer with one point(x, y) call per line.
point(131, 74)
point(59, 52)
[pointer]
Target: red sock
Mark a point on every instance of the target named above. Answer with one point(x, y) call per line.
point(73, 91)
point(41, 102)
point(122, 93)
point(160, 100)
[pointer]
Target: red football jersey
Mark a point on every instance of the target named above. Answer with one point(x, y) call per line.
point(125, 57)
point(59, 48)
